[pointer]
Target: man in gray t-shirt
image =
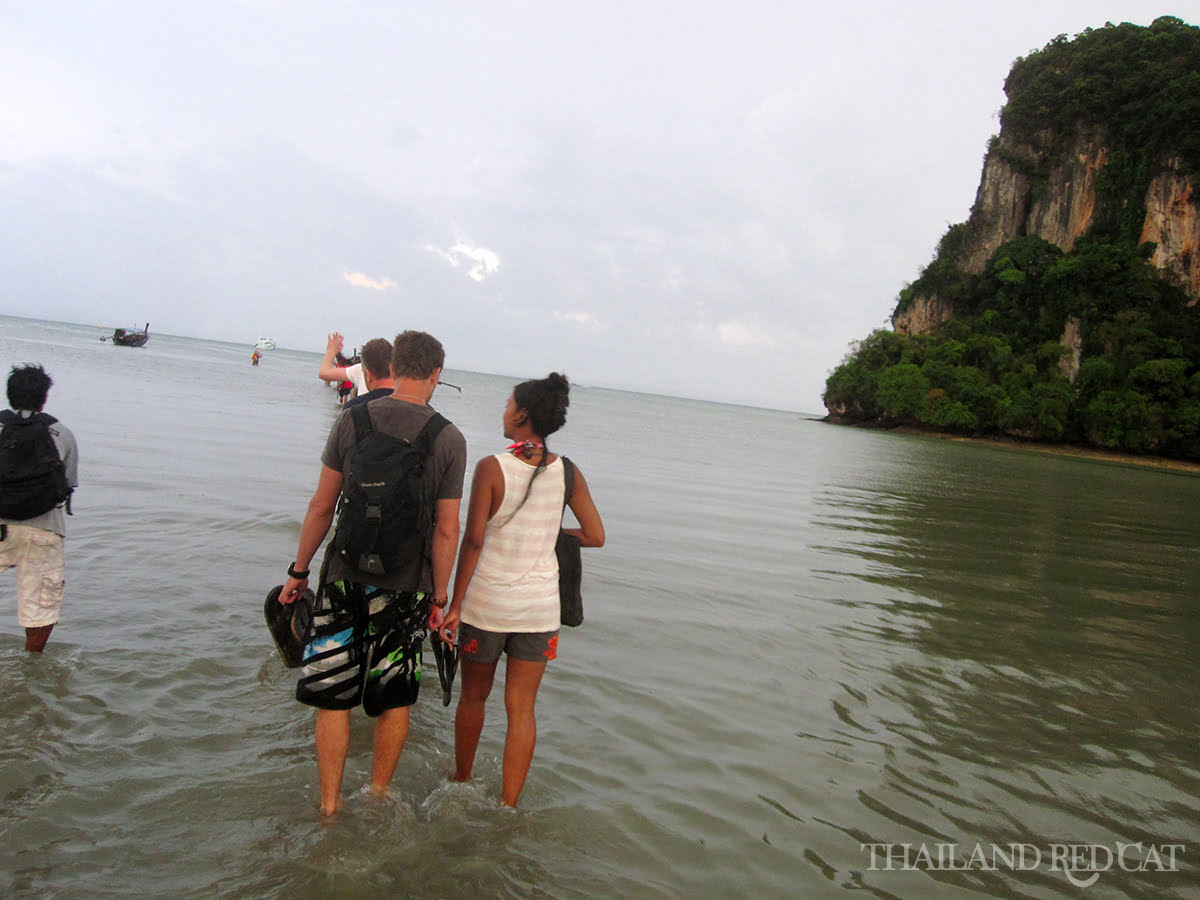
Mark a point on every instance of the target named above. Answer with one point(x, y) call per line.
point(444, 474)
point(35, 546)
point(367, 629)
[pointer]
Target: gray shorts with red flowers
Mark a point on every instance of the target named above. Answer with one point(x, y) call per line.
point(482, 646)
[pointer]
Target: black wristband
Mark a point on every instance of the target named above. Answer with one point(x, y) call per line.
point(292, 571)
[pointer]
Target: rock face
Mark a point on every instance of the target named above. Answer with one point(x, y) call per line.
point(922, 315)
point(1072, 339)
point(1012, 202)
point(1173, 223)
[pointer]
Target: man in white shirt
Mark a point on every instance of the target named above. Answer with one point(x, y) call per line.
point(32, 521)
point(330, 371)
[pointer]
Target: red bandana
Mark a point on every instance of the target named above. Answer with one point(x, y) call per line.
point(525, 448)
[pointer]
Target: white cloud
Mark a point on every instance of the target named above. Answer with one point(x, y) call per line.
point(739, 334)
point(358, 279)
point(480, 262)
point(583, 318)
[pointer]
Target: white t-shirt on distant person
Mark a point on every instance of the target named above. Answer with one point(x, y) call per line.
point(354, 374)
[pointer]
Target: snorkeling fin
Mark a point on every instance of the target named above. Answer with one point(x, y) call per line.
point(289, 624)
point(447, 665)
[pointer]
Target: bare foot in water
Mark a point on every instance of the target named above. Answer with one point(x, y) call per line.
point(333, 810)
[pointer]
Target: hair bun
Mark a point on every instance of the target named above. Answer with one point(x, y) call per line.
point(545, 400)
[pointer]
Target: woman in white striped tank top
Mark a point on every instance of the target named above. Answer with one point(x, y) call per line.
point(506, 587)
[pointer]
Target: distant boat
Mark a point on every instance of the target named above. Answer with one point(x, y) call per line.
point(131, 337)
point(265, 343)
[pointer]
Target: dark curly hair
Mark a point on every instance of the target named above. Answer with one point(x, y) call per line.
point(28, 386)
point(545, 401)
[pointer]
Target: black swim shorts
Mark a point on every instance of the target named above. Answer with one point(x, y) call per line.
point(365, 647)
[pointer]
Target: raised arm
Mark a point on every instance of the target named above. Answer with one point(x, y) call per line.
point(328, 371)
point(591, 530)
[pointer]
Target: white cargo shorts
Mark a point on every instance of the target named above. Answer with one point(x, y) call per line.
point(38, 557)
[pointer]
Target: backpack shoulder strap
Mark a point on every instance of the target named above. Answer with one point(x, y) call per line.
point(424, 445)
point(568, 480)
point(362, 421)
point(429, 433)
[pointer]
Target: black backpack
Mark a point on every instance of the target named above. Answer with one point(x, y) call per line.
point(385, 517)
point(33, 479)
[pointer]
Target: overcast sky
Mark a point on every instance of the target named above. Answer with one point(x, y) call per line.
point(705, 199)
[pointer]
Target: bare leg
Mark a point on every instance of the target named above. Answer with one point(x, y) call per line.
point(35, 638)
point(521, 681)
point(391, 731)
point(333, 741)
point(475, 686)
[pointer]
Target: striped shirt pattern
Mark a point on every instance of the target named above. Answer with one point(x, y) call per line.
point(515, 585)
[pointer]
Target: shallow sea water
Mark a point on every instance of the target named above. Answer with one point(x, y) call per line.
point(800, 640)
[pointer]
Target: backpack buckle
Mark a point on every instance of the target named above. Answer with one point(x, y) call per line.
point(371, 563)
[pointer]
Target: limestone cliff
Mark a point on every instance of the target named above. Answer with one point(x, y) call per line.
point(1036, 188)
point(1067, 306)
point(1011, 202)
point(922, 315)
point(1173, 223)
